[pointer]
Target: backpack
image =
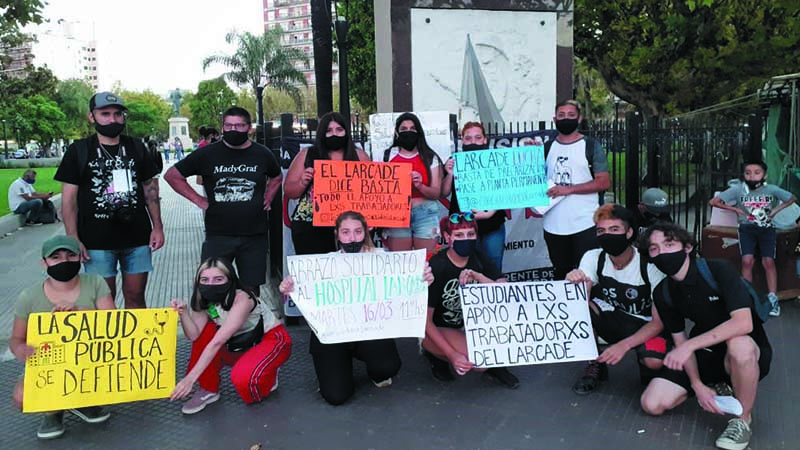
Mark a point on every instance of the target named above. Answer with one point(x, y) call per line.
point(589, 153)
point(47, 214)
point(601, 262)
point(139, 153)
point(761, 304)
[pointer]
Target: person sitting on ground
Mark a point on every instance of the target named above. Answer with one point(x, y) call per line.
point(64, 289)
point(621, 283)
point(653, 208)
point(727, 343)
point(445, 342)
point(228, 326)
point(756, 203)
point(333, 362)
point(22, 199)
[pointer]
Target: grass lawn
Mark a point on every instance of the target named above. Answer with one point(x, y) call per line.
point(44, 183)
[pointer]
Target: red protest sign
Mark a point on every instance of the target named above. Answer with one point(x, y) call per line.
point(379, 191)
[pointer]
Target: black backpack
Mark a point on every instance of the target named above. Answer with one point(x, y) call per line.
point(47, 214)
point(589, 153)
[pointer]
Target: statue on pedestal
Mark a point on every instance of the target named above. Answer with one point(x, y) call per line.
point(175, 97)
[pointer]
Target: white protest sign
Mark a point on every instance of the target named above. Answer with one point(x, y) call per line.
point(515, 324)
point(362, 296)
point(436, 125)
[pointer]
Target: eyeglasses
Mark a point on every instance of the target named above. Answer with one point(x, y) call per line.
point(465, 216)
point(236, 126)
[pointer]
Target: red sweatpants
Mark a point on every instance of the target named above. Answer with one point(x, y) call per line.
point(254, 372)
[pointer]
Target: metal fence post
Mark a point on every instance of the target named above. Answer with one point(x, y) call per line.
point(632, 144)
point(754, 150)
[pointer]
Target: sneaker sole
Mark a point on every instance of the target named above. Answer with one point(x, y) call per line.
point(197, 409)
point(732, 445)
point(51, 434)
point(88, 419)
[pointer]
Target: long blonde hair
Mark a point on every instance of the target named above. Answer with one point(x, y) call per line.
point(368, 245)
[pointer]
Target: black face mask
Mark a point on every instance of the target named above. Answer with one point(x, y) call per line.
point(464, 247)
point(64, 271)
point(214, 293)
point(234, 138)
point(471, 147)
point(407, 139)
point(613, 244)
point(352, 247)
point(335, 142)
point(110, 130)
point(754, 184)
point(566, 126)
point(670, 263)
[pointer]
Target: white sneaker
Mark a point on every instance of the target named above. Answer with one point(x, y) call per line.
point(382, 384)
point(776, 306)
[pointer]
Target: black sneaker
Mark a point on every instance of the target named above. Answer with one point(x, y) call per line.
point(52, 426)
point(92, 414)
point(595, 373)
point(502, 376)
point(439, 368)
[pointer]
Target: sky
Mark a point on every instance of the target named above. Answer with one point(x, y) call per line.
point(159, 44)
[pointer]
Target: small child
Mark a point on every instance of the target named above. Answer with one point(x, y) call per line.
point(756, 203)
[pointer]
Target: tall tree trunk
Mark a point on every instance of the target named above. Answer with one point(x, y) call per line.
point(323, 54)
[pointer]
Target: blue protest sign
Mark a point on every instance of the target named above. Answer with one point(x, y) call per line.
point(506, 178)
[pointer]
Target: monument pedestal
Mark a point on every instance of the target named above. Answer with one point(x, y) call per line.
point(179, 128)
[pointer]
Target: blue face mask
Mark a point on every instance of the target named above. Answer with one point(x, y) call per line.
point(29, 180)
point(464, 247)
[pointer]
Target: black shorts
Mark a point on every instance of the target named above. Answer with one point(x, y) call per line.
point(249, 253)
point(614, 326)
point(711, 365)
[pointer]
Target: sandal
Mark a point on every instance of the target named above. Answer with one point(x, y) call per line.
point(595, 373)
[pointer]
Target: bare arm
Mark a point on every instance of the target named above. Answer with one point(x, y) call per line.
point(273, 184)
point(18, 344)
point(780, 207)
point(740, 324)
point(296, 183)
point(705, 395)
point(153, 205)
point(616, 352)
point(179, 184)
point(600, 182)
point(447, 181)
point(433, 191)
point(69, 211)
point(717, 202)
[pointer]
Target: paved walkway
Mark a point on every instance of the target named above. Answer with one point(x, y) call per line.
point(416, 412)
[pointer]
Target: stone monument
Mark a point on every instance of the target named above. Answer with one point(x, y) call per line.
point(179, 126)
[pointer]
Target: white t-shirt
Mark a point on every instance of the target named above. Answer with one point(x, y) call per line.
point(15, 192)
point(630, 274)
point(567, 165)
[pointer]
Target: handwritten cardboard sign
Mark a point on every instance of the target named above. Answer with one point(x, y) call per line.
point(379, 191)
point(88, 358)
point(508, 178)
point(435, 123)
point(361, 296)
point(515, 324)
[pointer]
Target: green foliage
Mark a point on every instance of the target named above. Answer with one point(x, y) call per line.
point(361, 54)
point(73, 97)
point(148, 113)
point(38, 118)
point(256, 56)
point(676, 56)
point(246, 99)
point(207, 105)
point(16, 14)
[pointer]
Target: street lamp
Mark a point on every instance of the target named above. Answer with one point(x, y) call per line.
point(5, 139)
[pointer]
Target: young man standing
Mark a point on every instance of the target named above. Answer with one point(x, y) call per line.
point(727, 342)
point(110, 201)
point(240, 178)
point(568, 227)
point(621, 304)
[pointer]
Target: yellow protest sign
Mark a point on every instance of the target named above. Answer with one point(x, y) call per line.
point(87, 358)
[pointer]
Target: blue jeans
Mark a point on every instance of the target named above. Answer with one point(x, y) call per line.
point(30, 208)
point(492, 246)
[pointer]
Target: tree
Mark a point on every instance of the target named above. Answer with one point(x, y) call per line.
point(148, 113)
point(72, 97)
point(263, 55)
point(361, 53)
point(212, 98)
point(16, 14)
point(40, 119)
point(670, 57)
point(33, 81)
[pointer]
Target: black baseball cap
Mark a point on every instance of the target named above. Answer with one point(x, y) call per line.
point(103, 99)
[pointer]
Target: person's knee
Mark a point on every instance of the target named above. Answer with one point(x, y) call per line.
point(384, 368)
point(652, 405)
point(768, 263)
point(336, 397)
point(742, 352)
point(747, 261)
point(18, 395)
point(652, 363)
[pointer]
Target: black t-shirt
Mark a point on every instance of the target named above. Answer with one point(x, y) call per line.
point(694, 299)
point(443, 292)
point(234, 181)
point(112, 179)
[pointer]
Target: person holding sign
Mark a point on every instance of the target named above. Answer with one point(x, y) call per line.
point(333, 363)
point(334, 142)
point(578, 167)
point(727, 343)
point(410, 147)
point(64, 289)
point(621, 305)
point(227, 326)
point(445, 342)
point(491, 223)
